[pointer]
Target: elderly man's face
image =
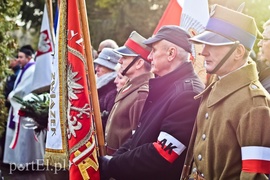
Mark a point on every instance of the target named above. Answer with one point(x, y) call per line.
point(213, 55)
point(159, 58)
point(264, 43)
point(124, 61)
point(101, 70)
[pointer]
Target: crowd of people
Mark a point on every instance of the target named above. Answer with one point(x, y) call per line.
point(160, 121)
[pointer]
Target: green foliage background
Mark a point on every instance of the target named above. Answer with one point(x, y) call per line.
point(8, 8)
point(116, 19)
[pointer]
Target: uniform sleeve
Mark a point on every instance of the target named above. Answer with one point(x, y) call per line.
point(134, 117)
point(254, 137)
point(136, 109)
point(163, 154)
point(252, 176)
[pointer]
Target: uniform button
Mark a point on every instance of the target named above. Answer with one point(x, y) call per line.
point(203, 137)
point(206, 115)
point(253, 86)
point(199, 157)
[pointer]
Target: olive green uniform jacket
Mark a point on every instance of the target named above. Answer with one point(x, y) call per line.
point(126, 112)
point(233, 122)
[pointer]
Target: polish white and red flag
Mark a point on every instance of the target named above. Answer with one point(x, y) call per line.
point(171, 15)
point(191, 15)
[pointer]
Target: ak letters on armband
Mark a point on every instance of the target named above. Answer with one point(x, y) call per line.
point(168, 146)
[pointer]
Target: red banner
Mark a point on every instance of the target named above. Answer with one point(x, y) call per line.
point(82, 147)
point(171, 15)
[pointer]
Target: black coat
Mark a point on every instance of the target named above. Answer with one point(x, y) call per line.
point(171, 109)
point(106, 96)
point(9, 85)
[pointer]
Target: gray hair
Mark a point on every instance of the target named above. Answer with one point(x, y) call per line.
point(108, 43)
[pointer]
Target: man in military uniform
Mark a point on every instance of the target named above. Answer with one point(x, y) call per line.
point(233, 121)
point(157, 148)
point(129, 101)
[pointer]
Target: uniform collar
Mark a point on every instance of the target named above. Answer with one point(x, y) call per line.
point(183, 71)
point(133, 85)
point(222, 88)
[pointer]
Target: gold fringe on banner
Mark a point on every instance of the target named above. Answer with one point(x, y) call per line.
point(60, 157)
point(56, 160)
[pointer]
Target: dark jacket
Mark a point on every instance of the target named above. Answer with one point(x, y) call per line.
point(106, 95)
point(9, 85)
point(155, 150)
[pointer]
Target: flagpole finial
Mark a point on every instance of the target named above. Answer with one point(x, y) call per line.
point(241, 7)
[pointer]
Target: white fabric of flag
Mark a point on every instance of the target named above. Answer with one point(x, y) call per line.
point(194, 18)
point(42, 74)
point(54, 133)
point(56, 149)
point(195, 15)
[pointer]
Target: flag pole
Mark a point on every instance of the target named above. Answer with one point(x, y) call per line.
point(91, 77)
point(50, 15)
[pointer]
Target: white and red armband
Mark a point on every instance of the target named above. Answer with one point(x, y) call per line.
point(256, 159)
point(168, 146)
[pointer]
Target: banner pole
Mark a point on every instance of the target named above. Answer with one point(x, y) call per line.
point(50, 15)
point(91, 77)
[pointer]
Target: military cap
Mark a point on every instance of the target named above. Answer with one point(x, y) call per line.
point(174, 34)
point(134, 47)
point(107, 58)
point(226, 26)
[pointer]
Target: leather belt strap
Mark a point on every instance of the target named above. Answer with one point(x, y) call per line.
point(130, 64)
point(189, 156)
point(224, 58)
